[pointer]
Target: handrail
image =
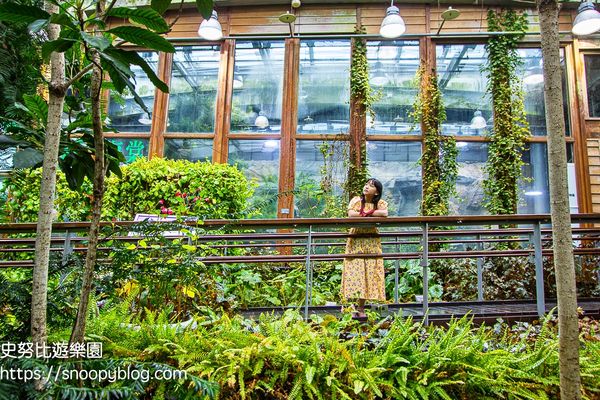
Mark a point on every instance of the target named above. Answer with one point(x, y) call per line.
point(469, 237)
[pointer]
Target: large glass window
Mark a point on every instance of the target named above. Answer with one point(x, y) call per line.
point(592, 79)
point(533, 189)
point(324, 87)
point(396, 165)
point(193, 91)
point(392, 69)
point(259, 160)
point(189, 149)
point(533, 89)
point(463, 87)
point(321, 172)
point(124, 113)
point(257, 87)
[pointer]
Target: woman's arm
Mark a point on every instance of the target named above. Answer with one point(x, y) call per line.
point(352, 207)
point(353, 213)
point(380, 213)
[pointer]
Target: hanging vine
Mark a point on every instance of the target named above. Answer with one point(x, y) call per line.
point(510, 130)
point(363, 94)
point(440, 169)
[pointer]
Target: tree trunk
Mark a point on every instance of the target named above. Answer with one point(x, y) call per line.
point(78, 333)
point(564, 266)
point(48, 187)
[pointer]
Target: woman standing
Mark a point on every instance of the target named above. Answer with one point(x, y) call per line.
point(364, 278)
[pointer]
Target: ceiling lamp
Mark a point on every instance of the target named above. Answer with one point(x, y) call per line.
point(210, 29)
point(261, 122)
point(378, 78)
point(587, 20)
point(478, 122)
point(392, 25)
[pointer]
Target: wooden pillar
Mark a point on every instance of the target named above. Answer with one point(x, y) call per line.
point(161, 107)
point(223, 105)
point(289, 121)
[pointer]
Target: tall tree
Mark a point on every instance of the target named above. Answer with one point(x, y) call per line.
point(564, 266)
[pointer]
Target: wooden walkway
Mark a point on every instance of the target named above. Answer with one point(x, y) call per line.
point(440, 312)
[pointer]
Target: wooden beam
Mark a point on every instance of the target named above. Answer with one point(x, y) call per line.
point(289, 120)
point(223, 105)
point(161, 107)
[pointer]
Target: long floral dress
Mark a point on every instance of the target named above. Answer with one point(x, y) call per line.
point(363, 278)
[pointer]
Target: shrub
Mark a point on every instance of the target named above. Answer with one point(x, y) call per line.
point(180, 187)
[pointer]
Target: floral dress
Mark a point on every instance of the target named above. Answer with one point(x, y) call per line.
point(363, 278)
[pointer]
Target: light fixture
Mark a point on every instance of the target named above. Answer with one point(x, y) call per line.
point(261, 122)
point(587, 20)
point(392, 25)
point(270, 146)
point(478, 122)
point(533, 79)
point(448, 15)
point(378, 78)
point(238, 79)
point(146, 119)
point(308, 120)
point(534, 193)
point(210, 29)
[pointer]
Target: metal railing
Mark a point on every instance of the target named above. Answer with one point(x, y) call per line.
point(311, 241)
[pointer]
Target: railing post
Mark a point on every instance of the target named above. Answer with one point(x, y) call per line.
point(67, 248)
point(539, 270)
point(479, 271)
point(396, 267)
point(425, 265)
point(308, 272)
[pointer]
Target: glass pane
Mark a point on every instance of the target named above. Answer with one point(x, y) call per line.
point(193, 91)
point(395, 164)
point(324, 87)
point(535, 195)
point(463, 87)
point(321, 173)
point(392, 69)
point(131, 148)
point(6, 158)
point(257, 87)
point(189, 149)
point(124, 113)
point(533, 87)
point(469, 184)
point(592, 79)
point(259, 160)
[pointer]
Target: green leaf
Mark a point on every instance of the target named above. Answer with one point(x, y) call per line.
point(58, 45)
point(28, 158)
point(63, 20)
point(99, 42)
point(36, 106)
point(160, 6)
point(143, 37)
point(11, 12)
point(205, 8)
point(37, 25)
point(148, 17)
point(132, 57)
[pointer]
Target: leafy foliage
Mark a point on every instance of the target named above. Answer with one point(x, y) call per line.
point(223, 189)
point(510, 130)
point(440, 169)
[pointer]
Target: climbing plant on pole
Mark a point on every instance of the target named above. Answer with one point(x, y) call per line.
point(510, 130)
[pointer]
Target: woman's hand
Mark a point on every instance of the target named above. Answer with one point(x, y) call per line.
point(380, 213)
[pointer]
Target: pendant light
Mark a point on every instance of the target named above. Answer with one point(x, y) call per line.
point(587, 20)
point(210, 29)
point(392, 25)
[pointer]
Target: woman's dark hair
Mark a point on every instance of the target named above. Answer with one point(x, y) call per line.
point(377, 197)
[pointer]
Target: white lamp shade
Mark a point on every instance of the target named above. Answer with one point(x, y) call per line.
point(392, 25)
point(478, 122)
point(261, 122)
point(587, 20)
point(238, 82)
point(210, 29)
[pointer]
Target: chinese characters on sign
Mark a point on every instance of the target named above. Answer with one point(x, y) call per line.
point(52, 350)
